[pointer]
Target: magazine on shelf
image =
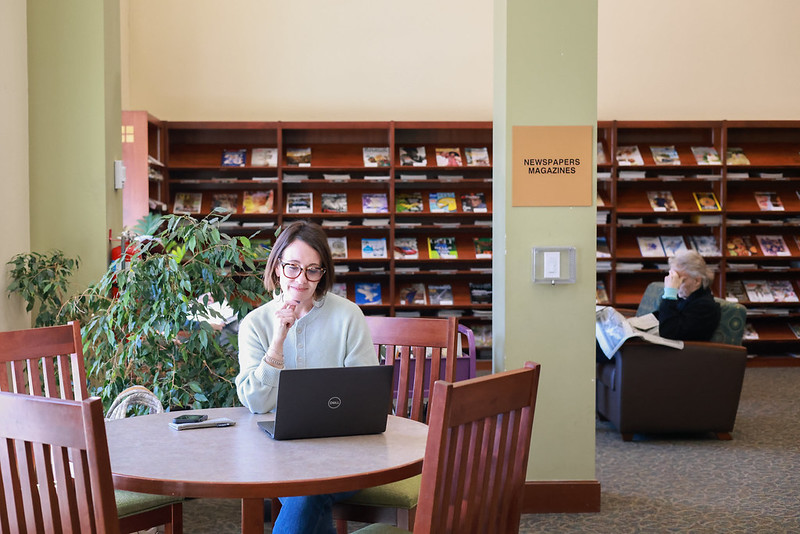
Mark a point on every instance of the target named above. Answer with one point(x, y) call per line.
point(477, 157)
point(601, 295)
point(795, 328)
point(373, 247)
point(234, 158)
point(758, 291)
point(734, 291)
point(188, 202)
point(300, 202)
point(612, 329)
point(408, 202)
point(440, 294)
point(736, 156)
point(448, 157)
point(338, 246)
point(480, 292)
point(601, 154)
point(750, 331)
point(705, 245)
point(773, 245)
point(741, 246)
point(406, 248)
point(672, 244)
point(768, 201)
point(264, 157)
point(339, 288)
point(333, 202)
point(442, 248)
point(442, 202)
point(629, 155)
point(650, 246)
point(376, 156)
point(413, 156)
point(298, 157)
point(665, 155)
point(412, 294)
point(368, 293)
point(706, 201)
point(783, 291)
point(374, 203)
point(483, 247)
point(337, 177)
point(258, 201)
point(473, 202)
point(662, 201)
point(225, 202)
point(706, 155)
point(602, 250)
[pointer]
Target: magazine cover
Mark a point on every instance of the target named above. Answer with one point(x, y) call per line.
point(368, 293)
point(442, 202)
point(412, 294)
point(758, 291)
point(264, 157)
point(338, 246)
point(413, 156)
point(602, 250)
point(300, 202)
point(706, 201)
point(629, 155)
point(665, 155)
point(405, 248)
point(705, 245)
point(661, 201)
point(741, 246)
point(442, 248)
point(473, 203)
point(448, 157)
point(333, 202)
point(483, 247)
point(258, 201)
point(601, 154)
point(706, 155)
point(768, 201)
point(650, 246)
point(339, 288)
point(601, 295)
point(672, 244)
point(188, 203)
point(795, 328)
point(749, 331)
point(298, 157)
point(734, 291)
point(373, 248)
point(374, 203)
point(376, 156)
point(773, 245)
point(736, 156)
point(440, 294)
point(225, 202)
point(477, 157)
point(480, 293)
point(234, 158)
point(408, 202)
point(782, 290)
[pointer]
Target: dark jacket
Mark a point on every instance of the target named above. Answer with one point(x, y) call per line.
point(691, 319)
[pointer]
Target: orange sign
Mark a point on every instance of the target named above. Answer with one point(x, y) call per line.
point(551, 166)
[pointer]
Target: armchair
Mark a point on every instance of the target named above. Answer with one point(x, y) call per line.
point(651, 388)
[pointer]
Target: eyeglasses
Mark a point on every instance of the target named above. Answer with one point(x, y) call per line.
point(292, 270)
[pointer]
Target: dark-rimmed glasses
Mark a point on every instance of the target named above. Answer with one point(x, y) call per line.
point(292, 270)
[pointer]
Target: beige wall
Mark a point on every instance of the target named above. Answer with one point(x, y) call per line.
point(14, 142)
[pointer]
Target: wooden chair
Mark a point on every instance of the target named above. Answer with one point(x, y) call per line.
point(476, 456)
point(49, 362)
point(402, 342)
point(54, 466)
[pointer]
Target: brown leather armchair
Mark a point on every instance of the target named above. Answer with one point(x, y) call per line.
point(649, 388)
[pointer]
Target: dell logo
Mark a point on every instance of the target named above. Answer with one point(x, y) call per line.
point(334, 402)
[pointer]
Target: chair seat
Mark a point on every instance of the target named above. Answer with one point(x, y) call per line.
point(129, 502)
point(400, 494)
point(381, 528)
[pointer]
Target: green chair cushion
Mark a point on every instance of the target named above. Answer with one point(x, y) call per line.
point(129, 502)
point(401, 494)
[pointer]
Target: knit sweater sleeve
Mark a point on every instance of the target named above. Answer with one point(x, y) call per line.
point(257, 381)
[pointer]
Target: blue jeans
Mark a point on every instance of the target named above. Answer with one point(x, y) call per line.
point(309, 514)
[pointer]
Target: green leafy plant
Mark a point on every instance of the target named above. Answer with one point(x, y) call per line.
point(42, 281)
point(149, 322)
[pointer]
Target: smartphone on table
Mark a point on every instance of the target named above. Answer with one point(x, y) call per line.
point(189, 418)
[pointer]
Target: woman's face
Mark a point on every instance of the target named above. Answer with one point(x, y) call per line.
point(298, 289)
point(689, 285)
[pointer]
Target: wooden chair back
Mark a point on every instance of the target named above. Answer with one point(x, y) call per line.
point(54, 466)
point(476, 456)
point(44, 362)
point(402, 342)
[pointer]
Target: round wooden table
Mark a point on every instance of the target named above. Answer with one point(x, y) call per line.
point(243, 462)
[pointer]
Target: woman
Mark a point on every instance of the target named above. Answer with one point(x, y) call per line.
point(688, 310)
point(303, 326)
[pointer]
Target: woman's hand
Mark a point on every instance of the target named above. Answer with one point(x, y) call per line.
point(286, 316)
point(673, 279)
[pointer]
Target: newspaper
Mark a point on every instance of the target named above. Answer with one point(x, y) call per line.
point(612, 329)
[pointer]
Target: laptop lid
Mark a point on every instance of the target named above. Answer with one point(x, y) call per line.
point(331, 401)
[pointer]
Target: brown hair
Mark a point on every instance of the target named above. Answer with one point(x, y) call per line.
point(312, 235)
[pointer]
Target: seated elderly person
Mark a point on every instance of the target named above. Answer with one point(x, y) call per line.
point(688, 311)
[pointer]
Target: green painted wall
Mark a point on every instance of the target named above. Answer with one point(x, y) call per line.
point(74, 129)
point(546, 75)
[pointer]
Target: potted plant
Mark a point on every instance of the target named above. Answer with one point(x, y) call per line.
point(42, 280)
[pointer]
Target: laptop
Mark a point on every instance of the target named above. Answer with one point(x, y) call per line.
point(331, 401)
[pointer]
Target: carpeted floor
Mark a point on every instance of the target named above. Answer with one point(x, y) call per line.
point(665, 484)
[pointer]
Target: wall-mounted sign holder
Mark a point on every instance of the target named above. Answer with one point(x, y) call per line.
point(553, 265)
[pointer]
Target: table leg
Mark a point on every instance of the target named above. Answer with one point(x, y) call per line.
point(253, 516)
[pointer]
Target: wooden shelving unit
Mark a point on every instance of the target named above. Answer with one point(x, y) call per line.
point(773, 151)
